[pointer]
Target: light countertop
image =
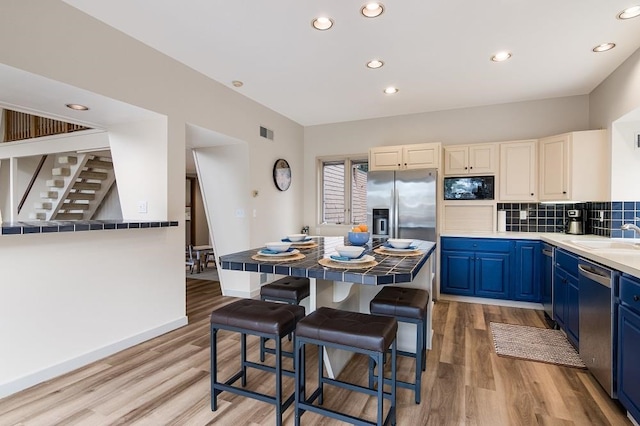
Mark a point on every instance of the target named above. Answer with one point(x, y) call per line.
point(625, 261)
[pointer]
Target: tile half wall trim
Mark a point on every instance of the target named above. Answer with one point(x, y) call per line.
point(42, 227)
point(604, 218)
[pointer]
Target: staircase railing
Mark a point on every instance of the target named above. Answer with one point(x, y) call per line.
point(20, 126)
point(31, 182)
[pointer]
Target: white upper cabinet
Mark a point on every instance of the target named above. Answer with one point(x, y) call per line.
point(405, 157)
point(519, 171)
point(470, 159)
point(574, 167)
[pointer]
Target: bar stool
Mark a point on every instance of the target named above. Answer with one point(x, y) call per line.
point(259, 318)
point(407, 305)
point(289, 290)
point(367, 334)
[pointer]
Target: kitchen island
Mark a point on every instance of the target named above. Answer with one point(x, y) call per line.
point(349, 288)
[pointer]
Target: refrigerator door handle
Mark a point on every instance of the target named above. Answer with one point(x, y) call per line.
point(396, 210)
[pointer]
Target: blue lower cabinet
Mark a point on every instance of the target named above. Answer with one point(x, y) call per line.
point(492, 275)
point(629, 345)
point(527, 271)
point(566, 295)
point(560, 284)
point(628, 365)
point(475, 267)
point(457, 272)
point(572, 313)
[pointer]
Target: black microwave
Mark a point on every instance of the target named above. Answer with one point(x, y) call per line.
point(469, 188)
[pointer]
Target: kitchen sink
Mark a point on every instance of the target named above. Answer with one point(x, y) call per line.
point(607, 245)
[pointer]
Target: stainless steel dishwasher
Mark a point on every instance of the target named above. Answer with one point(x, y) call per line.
point(598, 322)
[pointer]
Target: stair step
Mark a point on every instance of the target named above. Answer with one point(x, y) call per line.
point(81, 196)
point(42, 206)
point(55, 183)
point(74, 206)
point(99, 164)
point(87, 185)
point(37, 216)
point(69, 216)
point(49, 194)
point(67, 159)
point(60, 171)
point(93, 175)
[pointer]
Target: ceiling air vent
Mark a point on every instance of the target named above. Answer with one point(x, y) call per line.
point(266, 133)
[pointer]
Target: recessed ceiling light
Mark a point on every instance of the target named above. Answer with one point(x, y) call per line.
point(77, 107)
point(372, 10)
point(390, 90)
point(374, 64)
point(322, 23)
point(629, 13)
point(501, 56)
point(604, 47)
point(237, 83)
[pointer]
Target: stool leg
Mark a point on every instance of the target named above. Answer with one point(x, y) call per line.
point(278, 382)
point(214, 369)
point(394, 369)
point(320, 374)
point(262, 345)
point(424, 345)
point(300, 384)
point(419, 359)
point(372, 366)
point(380, 390)
point(243, 358)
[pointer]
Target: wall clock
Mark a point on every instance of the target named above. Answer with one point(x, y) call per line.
point(282, 174)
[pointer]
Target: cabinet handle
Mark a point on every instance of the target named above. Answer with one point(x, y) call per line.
point(635, 298)
point(564, 192)
point(405, 164)
point(399, 164)
point(471, 167)
point(465, 168)
point(532, 194)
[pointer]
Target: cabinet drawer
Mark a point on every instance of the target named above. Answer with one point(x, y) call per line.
point(567, 261)
point(476, 244)
point(630, 292)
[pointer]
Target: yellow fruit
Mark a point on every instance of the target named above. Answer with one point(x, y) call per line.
point(356, 229)
point(363, 227)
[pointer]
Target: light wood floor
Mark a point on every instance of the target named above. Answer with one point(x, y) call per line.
point(166, 381)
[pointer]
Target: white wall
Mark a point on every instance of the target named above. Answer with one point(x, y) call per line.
point(617, 99)
point(494, 123)
point(150, 266)
point(139, 154)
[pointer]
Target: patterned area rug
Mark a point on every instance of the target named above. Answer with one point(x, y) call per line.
point(534, 344)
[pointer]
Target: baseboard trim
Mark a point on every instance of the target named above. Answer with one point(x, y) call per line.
point(48, 373)
point(487, 301)
point(241, 294)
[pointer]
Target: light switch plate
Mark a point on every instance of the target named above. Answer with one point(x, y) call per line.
point(142, 207)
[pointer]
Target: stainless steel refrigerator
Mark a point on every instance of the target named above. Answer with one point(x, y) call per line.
point(402, 204)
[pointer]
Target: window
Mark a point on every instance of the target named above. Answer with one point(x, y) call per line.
point(344, 191)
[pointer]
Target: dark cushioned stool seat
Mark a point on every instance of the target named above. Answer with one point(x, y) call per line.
point(355, 329)
point(266, 320)
point(287, 289)
point(401, 302)
point(406, 305)
point(367, 334)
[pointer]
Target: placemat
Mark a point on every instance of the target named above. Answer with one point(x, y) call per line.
point(381, 250)
point(296, 256)
point(307, 245)
point(337, 265)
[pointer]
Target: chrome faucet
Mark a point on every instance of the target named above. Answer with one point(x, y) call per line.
point(627, 226)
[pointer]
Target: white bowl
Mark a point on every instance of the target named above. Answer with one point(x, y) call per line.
point(399, 243)
point(278, 246)
point(296, 237)
point(349, 251)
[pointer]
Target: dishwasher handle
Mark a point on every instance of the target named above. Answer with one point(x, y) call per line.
point(592, 274)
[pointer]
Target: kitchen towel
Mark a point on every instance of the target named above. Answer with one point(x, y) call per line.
point(502, 221)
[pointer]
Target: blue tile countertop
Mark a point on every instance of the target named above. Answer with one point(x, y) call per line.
point(43, 227)
point(390, 269)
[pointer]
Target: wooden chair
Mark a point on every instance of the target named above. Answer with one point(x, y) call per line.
point(191, 261)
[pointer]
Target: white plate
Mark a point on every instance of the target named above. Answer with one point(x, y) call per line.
point(398, 250)
point(283, 254)
point(364, 259)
